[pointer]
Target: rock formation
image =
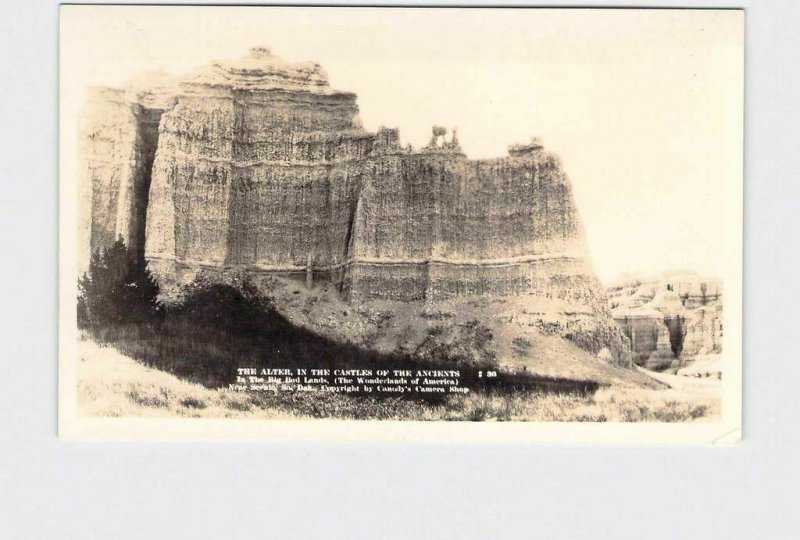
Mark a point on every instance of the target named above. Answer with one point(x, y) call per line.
point(257, 165)
point(121, 133)
point(669, 320)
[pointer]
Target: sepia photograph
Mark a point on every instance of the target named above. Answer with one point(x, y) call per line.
point(418, 270)
point(480, 224)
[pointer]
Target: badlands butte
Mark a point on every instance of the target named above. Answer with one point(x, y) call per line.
point(257, 168)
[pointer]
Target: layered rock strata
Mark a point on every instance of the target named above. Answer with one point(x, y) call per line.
point(120, 139)
point(258, 165)
point(669, 320)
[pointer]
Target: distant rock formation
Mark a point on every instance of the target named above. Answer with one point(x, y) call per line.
point(669, 320)
point(257, 165)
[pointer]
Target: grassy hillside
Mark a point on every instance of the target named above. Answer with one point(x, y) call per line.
point(112, 384)
point(533, 337)
point(539, 352)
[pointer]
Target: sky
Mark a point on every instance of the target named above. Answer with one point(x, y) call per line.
point(644, 107)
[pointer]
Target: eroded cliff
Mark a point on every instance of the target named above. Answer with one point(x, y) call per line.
point(258, 166)
point(669, 320)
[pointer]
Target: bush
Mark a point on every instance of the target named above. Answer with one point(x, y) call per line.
point(117, 288)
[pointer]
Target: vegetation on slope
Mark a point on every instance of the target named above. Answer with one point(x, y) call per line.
point(112, 384)
point(217, 328)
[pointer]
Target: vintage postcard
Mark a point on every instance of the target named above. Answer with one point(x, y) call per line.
point(401, 224)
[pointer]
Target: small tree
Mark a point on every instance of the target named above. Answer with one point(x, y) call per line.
point(117, 288)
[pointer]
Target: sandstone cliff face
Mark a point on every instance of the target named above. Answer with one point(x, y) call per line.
point(121, 140)
point(436, 225)
point(669, 320)
point(257, 165)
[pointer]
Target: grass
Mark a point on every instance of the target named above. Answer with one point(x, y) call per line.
point(180, 363)
point(112, 384)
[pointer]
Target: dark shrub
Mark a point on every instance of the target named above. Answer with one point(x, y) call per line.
point(117, 288)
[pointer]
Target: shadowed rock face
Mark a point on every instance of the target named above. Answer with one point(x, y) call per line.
point(121, 148)
point(120, 140)
point(260, 166)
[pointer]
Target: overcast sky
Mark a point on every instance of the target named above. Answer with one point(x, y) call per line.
point(643, 107)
